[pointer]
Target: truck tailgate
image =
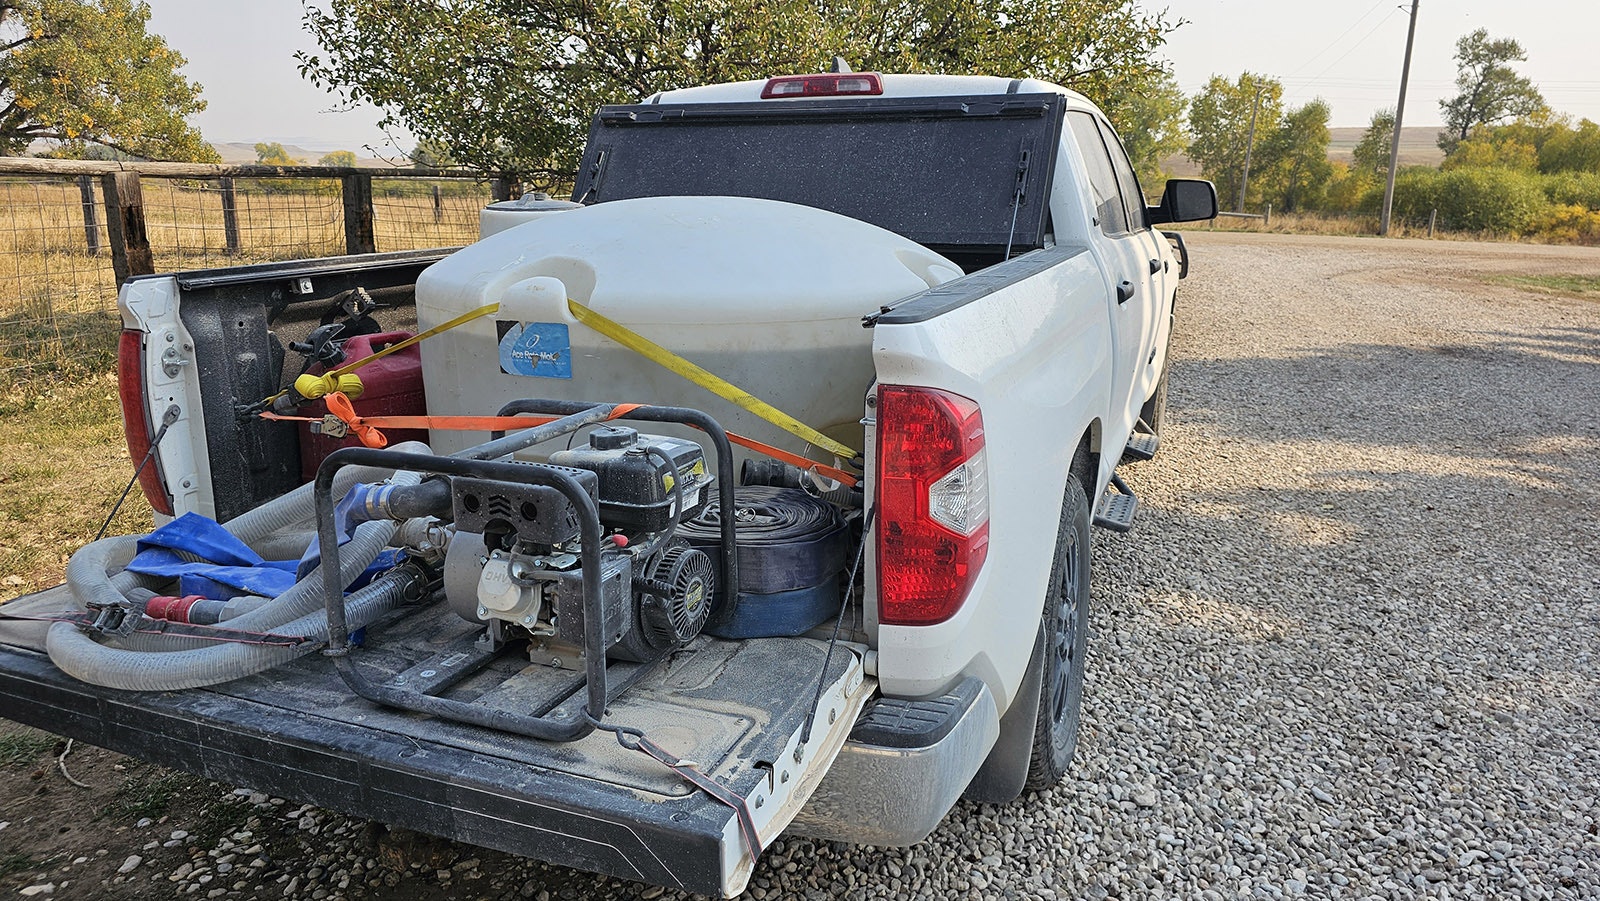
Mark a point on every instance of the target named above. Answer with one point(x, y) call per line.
point(735, 707)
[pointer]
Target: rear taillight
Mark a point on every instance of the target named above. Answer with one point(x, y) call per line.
point(136, 417)
point(933, 503)
point(830, 84)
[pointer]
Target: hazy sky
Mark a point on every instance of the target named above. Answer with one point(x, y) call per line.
point(1347, 52)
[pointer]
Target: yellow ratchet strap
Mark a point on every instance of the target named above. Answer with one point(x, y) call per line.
point(710, 381)
point(642, 346)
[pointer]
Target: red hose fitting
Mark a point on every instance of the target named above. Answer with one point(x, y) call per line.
point(171, 609)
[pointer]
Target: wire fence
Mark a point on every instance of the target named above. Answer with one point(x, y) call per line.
point(65, 238)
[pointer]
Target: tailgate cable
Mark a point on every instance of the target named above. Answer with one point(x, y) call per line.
point(167, 420)
point(635, 740)
point(822, 677)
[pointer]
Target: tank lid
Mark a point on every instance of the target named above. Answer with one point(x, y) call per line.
point(535, 201)
point(612, 437)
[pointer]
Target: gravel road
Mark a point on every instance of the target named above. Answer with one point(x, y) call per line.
point(1349, 651)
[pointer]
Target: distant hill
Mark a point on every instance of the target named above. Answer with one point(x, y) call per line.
point(239, 153)
point(1418, 147)
point(1418, 144)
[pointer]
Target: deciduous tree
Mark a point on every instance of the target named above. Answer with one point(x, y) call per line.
point(341, 159)
point(87, 72)
point(511, 86)
point(1572, 149)
point(1150, 123)
point(1219, 128)
point(1489, 90)
point(273, 154)
point(430, 154)
point(1372, 151)
point(1295, 170)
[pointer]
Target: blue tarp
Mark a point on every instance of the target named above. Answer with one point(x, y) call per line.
point(228, 567)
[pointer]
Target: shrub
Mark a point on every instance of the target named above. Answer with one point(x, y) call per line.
point(1478, 200)
point(1415, 194)
point(1580, 189)
point(1569, 224)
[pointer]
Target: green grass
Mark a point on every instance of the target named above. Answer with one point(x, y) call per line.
point(21, 749)
point(15, 863)
point(1571, 285)
point(62, 463)
point(148, 793)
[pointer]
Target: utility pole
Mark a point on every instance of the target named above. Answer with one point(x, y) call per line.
point(1399, 116)
point(1249, 145)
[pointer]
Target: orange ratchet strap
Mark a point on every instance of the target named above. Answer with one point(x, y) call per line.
point(367, 428)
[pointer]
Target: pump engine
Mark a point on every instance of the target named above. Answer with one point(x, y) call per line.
point(514, 563)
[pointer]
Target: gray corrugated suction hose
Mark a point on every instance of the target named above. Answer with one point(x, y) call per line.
point(96, 575)
point(80, 657)
point(173, 660)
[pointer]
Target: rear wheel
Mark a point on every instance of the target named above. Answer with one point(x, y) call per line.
point(1065, 631)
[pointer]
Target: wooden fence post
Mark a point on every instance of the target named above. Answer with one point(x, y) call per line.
point(499, 189)
point(438, 205)
point(358, 228)
point(130, 245)
point(91, 214)
point(1433, 219)
point(230, 216)
point(1266, 221)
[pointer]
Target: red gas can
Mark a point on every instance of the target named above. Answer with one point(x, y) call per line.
point(391, 386)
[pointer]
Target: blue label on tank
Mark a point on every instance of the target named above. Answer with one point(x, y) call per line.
point(541, 349)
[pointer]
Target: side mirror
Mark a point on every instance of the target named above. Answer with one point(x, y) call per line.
point(1185, 200)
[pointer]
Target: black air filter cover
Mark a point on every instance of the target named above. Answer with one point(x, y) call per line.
point(787, 538)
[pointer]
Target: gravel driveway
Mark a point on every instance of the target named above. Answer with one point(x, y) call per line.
point(1349, 650)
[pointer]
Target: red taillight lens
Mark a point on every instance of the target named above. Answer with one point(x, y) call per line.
point(136, 417)
point(832, 84)
point(933, 503)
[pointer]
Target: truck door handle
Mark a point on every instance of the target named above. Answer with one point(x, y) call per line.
point(1124, 291)
point(1155, 266)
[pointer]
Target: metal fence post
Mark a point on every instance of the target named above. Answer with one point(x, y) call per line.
point(230, 216)
point(130, 245)
point(91, 214)
point(358, 226)
point(438, 205)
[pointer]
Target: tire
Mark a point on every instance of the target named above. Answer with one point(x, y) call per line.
point(1065, 629)
point(1155, 409)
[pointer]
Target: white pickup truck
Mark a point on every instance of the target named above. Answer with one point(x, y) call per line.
point(943, 292)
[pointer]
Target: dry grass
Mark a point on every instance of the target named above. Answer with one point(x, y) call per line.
point(62, 457)
point(58, 299)
point(1351, 225)
point(62, 464)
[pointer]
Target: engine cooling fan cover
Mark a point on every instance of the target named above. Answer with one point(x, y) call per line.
point(673, 618)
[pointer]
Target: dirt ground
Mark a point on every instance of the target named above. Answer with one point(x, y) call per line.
point(1358, 429)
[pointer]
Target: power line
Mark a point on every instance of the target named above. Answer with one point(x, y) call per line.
point(1353, 47)
point(1335, 41)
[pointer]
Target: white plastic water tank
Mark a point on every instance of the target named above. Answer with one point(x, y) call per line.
point(497, 217)
point(767, 295)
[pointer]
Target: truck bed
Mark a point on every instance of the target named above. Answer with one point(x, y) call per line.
point(736, 707)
